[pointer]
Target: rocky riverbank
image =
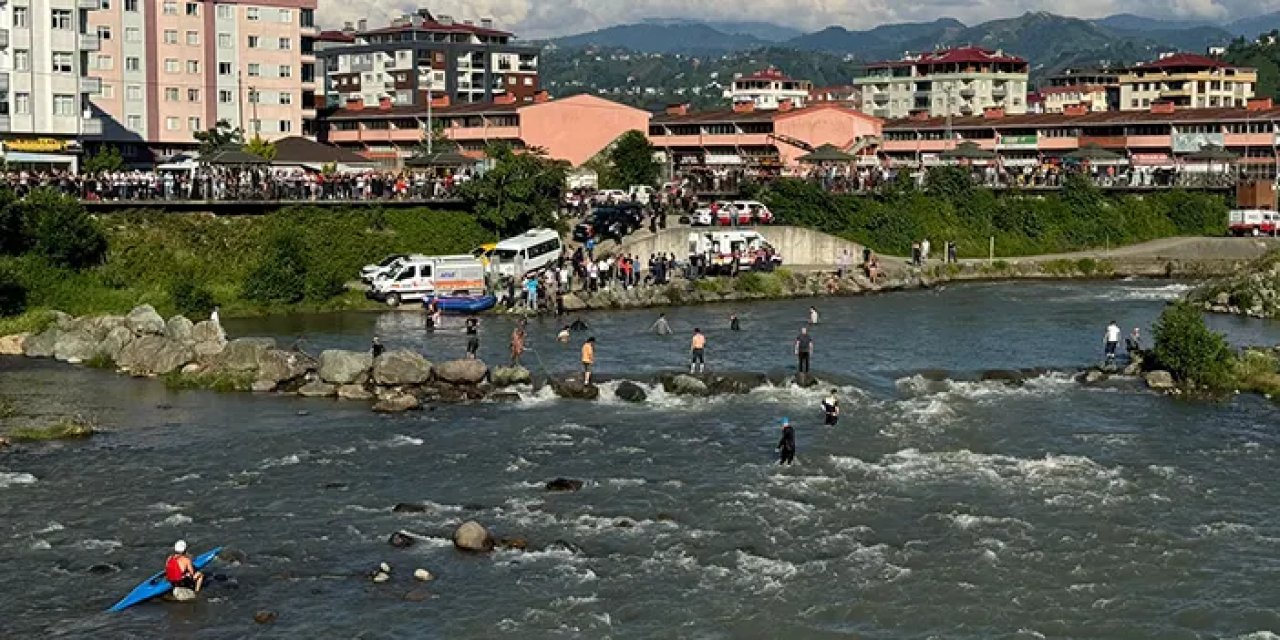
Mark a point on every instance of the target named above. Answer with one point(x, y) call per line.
point(1252, 291)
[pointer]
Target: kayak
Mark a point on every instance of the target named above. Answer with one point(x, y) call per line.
point(466, 304)
point(157, 585)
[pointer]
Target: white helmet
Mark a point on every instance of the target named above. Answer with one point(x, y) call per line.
point(180, 546)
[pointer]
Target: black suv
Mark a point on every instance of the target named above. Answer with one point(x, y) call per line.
point(613, 222)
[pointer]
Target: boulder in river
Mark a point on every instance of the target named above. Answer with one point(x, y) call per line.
point(154, 355)
point(354, 392)
point(208, 331)
point(401, 540)
point(409, 507)
point(263, 386)
point(115, 342)
point(474, 537)
point(422, 575)
point(575, 390)
point(1160, 380)
point(103, 569)
point(380, 577)
point(686, 385)
point(265, 617)
point(417, 595)
point(513, 544)
point(41, 345)
point(462, 372)
point(510, 376)
point(629, 391)
point(244, 354)
point(344, 367)
point(179, 328)
point(280, 367)
point(564, 484)
point(397, 403)
point(805, 380)
point(401, 367)
point(144, 321)
point(317, 389)
point(12, 345)
point(736, 383)
point(1093, 376)
point(75, 346)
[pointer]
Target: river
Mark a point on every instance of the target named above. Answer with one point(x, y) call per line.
point(954, 508)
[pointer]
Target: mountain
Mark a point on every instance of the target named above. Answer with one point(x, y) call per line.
point(766, 31)
point(1130, 22)
point(649, 37)
point(884, 41)
point(1253, 27)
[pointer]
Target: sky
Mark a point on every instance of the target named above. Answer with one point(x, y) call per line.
point(531, 19)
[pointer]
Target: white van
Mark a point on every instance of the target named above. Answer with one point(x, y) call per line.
point(716, 250)
point(529, 252)
point(431, 276)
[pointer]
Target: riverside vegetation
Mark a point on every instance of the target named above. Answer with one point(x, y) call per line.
point(1201, 360)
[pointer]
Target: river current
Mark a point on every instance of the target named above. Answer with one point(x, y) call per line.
point(941, 505)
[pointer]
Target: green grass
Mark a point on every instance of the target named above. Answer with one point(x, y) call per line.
point(8, 408)
point(73, 428)
point(768, 284)
point(101, 361)
point(1257, 372)
point(708, 285)
point(220, 381)
point(33, 321)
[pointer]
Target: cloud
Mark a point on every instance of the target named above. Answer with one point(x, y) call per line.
point(544, 18)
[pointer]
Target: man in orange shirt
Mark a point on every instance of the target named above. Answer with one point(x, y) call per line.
point(696, 361)
point(588, 359)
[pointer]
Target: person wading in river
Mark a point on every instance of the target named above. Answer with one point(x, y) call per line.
point(473, 337)
point(697, 347)
point(588, 359)
point(804, 349)
point(517, 343)
point(787, 445)
point(831, 409)
point(660, 326)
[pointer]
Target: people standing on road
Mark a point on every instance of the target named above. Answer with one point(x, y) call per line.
point(813, 315)
point(787, 445)
point(915, 254)
point(588, 359)
point(377, 348)
point(1111, 339)
point(734, 325)
point(831, 409)
point(697, 349)
point(951, 252)
point(660, 325)
point(517, 343)
point(804, 350)
point(473, 337)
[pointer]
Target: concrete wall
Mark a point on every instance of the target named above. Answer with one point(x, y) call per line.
point(799, 247)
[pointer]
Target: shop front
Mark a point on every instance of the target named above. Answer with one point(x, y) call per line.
point(40, 154)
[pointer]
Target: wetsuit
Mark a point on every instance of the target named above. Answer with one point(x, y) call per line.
point(787, 445)
point(378, 349)
point(831, 412)
point(734, 326)
point(473, 337)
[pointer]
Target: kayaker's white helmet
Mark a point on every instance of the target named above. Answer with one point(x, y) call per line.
point(180, 546)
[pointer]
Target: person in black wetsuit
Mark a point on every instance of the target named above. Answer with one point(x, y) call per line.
point(831, 409)
point(377, 349)
point(473, 337)
point(578, 325)
point(734, 325)
point(787, 445)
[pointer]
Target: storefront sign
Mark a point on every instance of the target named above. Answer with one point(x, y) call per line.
point(1018, 141)
point(1151, 160)
point(1193, 142)
point(36, 145)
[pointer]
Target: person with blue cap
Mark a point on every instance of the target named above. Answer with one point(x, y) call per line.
point(787, 445)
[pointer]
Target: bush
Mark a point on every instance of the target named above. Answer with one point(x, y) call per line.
point(191, 299)
point(1189, 350)
point(61, 231)
point(13, 293)
point(281, 275)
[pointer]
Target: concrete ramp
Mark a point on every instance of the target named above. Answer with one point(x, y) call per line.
point(798, 246)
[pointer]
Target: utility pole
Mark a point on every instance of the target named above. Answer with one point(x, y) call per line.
point(257, 126)
point(950, 136)
point(240, 93)
point(431, 131)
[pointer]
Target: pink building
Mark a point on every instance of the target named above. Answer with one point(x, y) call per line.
point(572, 129)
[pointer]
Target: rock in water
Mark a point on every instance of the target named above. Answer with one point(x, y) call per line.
point(472, 536)
point(182, 594)
point(154, 355)
point(144, 321)
point(574, 389)
point(210, 333)
point(380, 577)
point(354, 392)
point(397, 403)
point(262, 386)
point(510, 376)
point(462, 372)
point(385, 568)
point(12, 345)
point(1160, 380)
point(344, 367)
point(417, 595)
point(75, 346)
point(401, 367)
point(42, 344)
point(514, 544)
point(805, 380)
point(179, 328)
point(244, 354)
point(317, 389)
point(564, 484)
point(409, 507)
point(629, 391)
point(115, 342)
point(280, 367)
point(401, 540)
point(687, 385)
point(265, 617)
point(422, 575)
point(1094, 376)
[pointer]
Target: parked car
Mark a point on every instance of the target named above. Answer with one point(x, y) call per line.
point(615, 222)
point(702, 217)
point(370, 272)
point(759, 213)
point(1252, 222)
point(731, 213)
point(610, 196)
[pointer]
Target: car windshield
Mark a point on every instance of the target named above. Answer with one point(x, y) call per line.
point(506, 254)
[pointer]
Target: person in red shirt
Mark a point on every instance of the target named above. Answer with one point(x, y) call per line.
point(179, 571)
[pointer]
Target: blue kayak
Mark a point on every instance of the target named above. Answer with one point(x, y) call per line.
point(157, 585)
point(466, 304)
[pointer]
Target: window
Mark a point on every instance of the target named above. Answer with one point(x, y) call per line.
point(132, 63)
point(225, 96)
point(104, 5)
point(224, 40)
point(286, 97)
point(134, 123)
point(22, 103)
point(285, 44)
point(20, 18)
point(193, 124)
point(131, 6)
point(132, 34)
point(105, 62)
point(193, 95)
point(253, 96)
point(108, 91)
point(193, 8)
point(170, 36)
point(193, 38)
point(254, 70)
point(133, 93)
point(224, 68)
point(286, 71)
point(286, 16)
point(286, 126)
point(193, 66)
point(171, 123)
point(63, 61)
point(104, 33)
point(171, 94)
point(253, 42)
point(251, 14)
point(170, 8)
point(64, 105)
point(21, 60)
point(226, 12)
point(171, 65)
point(60, 19)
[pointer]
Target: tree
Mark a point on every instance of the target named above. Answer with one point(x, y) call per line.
point(60, 230)
point(261, 148)
point(107, 158)
point(220, 138)
point(952, 183)
point(13, 225)
point(1188, 349)
point(13, 294)
point(281, 274)
point(520, 192)
point(632, 160)
point(434, 141)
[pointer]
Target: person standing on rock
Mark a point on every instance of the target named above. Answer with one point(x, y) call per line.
point(660, 325)
point(1111, 340)
point(1133, 344)
point(588, 359)
point(517, 343)
point(377, 349)
point(804, 350)
point(473, 337)
point(697, 350)
point(216, 319)
point(787, 445)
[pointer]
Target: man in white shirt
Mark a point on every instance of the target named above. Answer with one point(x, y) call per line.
point(1112, 339)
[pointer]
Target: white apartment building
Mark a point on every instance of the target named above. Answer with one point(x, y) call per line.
point(960, 82)
point(768, 89)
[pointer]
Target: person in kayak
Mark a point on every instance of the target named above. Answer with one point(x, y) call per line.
point(831, 409)
point(179, 571)
point(787, 445)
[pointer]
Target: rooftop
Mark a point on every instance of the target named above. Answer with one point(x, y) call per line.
point(767, 75)
point(1095, 118)
point(957, 55)
point(409, 111)
point(1182, 61)
point(724, 116)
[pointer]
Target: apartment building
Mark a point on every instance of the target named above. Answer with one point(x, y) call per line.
point(420, 57)
point(1186, 80)
point(43, 50)
point(768, 88)
point(168, 69)
point(1097, 89)
point(960, 82)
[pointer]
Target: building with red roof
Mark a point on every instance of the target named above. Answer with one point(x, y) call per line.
point(959, 81)
point(1186, 80)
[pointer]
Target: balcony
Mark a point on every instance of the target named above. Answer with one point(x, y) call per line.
point(90, 42)
point(91, 126)
point(881, 97)
point(999, 91)
point(89, 5)
point(967, 92)
point(90, 85)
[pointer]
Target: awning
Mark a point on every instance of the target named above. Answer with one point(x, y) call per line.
point(24, 157)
